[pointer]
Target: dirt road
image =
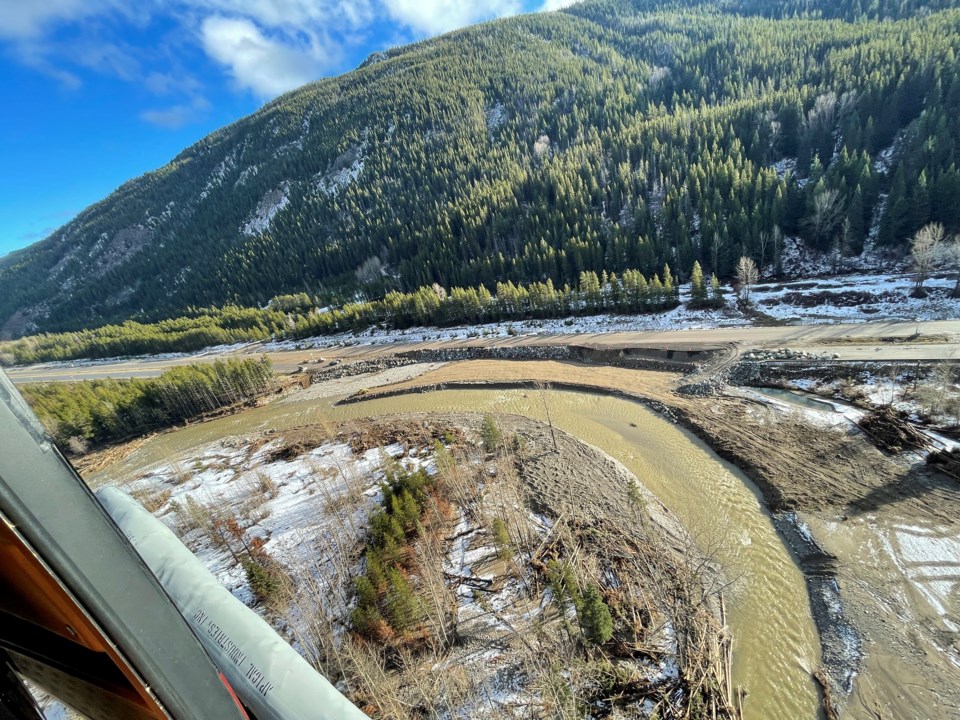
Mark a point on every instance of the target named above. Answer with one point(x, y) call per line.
point(893, 341)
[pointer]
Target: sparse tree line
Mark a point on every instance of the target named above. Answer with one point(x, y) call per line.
point(296, 316)
point(200, 329)
point(98, 411)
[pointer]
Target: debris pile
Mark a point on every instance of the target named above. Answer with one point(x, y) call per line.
point(523, 352)
point(787, 354)
point(704, 388)
point(891, 431)
point(947, 461)
point(335, 370)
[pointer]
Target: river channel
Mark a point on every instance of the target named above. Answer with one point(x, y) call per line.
point(775, 640)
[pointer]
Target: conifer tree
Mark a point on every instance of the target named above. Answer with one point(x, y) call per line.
point(595, 616)
point(716, 291)
point(698, 288)
point(490, 434)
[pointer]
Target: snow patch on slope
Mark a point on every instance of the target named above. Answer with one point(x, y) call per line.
point(268, 207)
point(219, 174)
point(784, 166)
point(885, 158)
point(496, 116)
point(152, 221)
point(293, 146)
point(246, 175)
point(345, 171)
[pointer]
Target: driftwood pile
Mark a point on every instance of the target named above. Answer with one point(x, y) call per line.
point(947, 461)
point(891, 431)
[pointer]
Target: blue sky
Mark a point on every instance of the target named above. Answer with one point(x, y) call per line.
point(100, 91)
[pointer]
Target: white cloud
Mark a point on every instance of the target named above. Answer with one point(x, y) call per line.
point(431, 17)
point(176, 116)
point(300, 14)
point(549, 5)
point(34, 55)
point(160, 83)
point(108, 58)
point(31, 19)
point(265, 65)
point(28, 19)
point(266, 46)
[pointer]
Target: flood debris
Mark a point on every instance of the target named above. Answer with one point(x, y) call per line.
point(431, 575)
point(892, 431)
point(946, 461)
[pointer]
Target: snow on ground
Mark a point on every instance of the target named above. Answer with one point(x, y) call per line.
point(799, 261)
point(220, 172)
point(680, 318)
point(489, 616)
point(248, 173)
point(838, 299)
point(879, 297)
point(333, 183)
point(856, 298)
point(496, 115)
point(829, 413)
point(884, 158)
point(312, 512)
point(823, 414)
point(823, 300)
point(314, 505)
point(930, 560)
point(346, 170)
point(784, 166)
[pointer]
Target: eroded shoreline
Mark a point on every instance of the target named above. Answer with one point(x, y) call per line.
point(822, 493)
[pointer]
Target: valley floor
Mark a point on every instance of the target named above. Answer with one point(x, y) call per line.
point(874, 532)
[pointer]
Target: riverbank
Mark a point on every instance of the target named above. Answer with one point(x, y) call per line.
point(500, 639)
point(856, 502)
point(810, 472)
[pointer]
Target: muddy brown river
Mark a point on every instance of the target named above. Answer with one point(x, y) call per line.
point(775, 640)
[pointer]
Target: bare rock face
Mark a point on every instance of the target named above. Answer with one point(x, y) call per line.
point(124, 245)
point(20, 323)
point(272, 203)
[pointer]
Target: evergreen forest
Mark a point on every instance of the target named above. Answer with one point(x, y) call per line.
point(291, 317)
point(614, 135)
point(100, 411)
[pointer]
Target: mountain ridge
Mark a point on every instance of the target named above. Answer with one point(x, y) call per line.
point(532, 147)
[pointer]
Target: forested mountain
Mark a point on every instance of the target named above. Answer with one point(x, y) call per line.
point(615, 134)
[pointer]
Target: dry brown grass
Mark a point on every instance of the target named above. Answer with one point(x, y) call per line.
point(151, 498)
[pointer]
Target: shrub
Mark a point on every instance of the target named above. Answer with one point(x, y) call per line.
point(502, 538)
point(563, 583)
point(595, 618)
point(263, 582)
point(490, 434)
